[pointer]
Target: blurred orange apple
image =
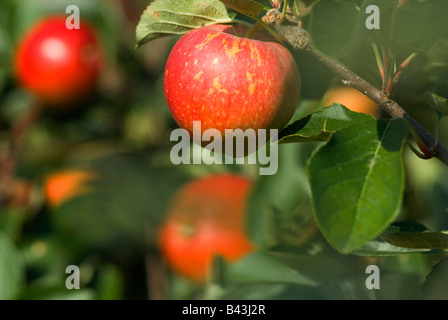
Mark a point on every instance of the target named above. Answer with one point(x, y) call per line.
point(63, 185)
point(352, 99)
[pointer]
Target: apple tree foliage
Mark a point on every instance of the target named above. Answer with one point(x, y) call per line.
point(349, 192)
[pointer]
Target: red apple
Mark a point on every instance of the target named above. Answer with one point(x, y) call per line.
point(58, 64)
point(217, 76)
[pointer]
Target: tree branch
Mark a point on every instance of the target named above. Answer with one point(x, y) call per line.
point(300, 39)
point(17, 135)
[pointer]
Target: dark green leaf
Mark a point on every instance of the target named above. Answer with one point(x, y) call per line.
point(250, 8)
point(110, 283)
point(405, 226)
point(273, 217)
point(435, 286)
point(417, 240)
point(271, 291)
point(266, 268)
point(320, 125)
point(439, 103)
point(317, 268)
point(172, 17)
point(357, 182)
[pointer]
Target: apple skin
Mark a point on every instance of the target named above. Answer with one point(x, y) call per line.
point(215, 75)
point(58, 65)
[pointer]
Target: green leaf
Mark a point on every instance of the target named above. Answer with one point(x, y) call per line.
point(320, 125)
point(434, 287)
point(357, 182)
point(11, 269)
point(439, 103)
point(11, 221)
point(418, 24)
point(264, 267)
point(110, 283)
point(417, 240)
point(272, 216)
point(379, 248)
point(334, 25)
point(56, 292)
point(270, 291)
point(405, 226)
point(172, 17)
point(250, 8)
point(318, 268)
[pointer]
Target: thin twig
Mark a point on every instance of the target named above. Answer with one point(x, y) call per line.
point(156, 282)
point(17, 135)
point(300, 39)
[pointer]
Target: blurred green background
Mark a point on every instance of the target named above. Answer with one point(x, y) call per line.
point(122, 133)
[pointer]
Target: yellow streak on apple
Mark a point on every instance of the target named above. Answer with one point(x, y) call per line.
point(254, 54)
point(209, 38)
point(217, 85)
point(198, 75)
point(231, 50)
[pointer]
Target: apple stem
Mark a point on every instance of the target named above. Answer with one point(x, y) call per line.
point(300, 39)
point(250, 33)
point(17, 134)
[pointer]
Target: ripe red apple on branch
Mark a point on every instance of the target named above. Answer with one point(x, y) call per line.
point(226, 81)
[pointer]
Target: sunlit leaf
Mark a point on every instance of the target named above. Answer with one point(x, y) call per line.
point(250, 8)
point(320, 125)
point(172, 17)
